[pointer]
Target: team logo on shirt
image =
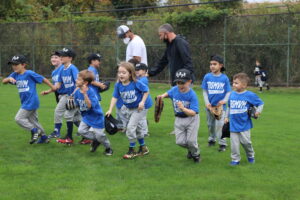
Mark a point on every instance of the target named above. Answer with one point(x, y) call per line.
point(68, 81)
point(55, 78)
point(23, 86)
point(82, 105)
point(186, 104)
point(128, 96)
point(215, 87)
point(238, 106)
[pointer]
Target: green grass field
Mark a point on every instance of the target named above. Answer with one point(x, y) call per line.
point(55, 171)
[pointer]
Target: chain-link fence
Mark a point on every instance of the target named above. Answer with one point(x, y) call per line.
point(273, 39)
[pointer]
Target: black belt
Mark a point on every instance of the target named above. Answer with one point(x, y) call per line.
point(181, 116)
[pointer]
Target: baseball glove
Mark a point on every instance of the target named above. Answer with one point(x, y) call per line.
point(70, 105)
point(226, 131)
point(217, 111)
point(159, 106)
point(252, 111)
point(107, 84)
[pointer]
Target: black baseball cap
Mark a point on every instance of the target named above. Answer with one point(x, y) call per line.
point(17, 59)
point(94, 56)
point(67, 52)
point(182, 75)
point(55, 53)
point(219, 59)
point(141, 66)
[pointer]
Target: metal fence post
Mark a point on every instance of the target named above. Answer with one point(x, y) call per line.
point(288, 54)
point(224, 40)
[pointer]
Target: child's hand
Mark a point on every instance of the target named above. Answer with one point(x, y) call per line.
point(12, 80)
point(221, 103)
point(208, 106)
point(45, 92)
point(141, 106)
point(226, 120)
point(160, 96)
point(180, 105)
point(108, 113)
point(257, 114)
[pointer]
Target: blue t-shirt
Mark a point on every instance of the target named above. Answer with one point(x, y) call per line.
point(239, 104)
point(93, 116)
point(54, 75)
point(148, 102)
point(130, 94)
point(216, 87)
point(96, 74)
point(68, 78)
point(26, 84)
point(188, 99)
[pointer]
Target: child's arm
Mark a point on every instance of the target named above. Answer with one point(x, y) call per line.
point(164, 95)
point(226, 120)
point(99, 84)
point(206, 101)
point(142, 103)
point(187, 111)
point(53, 87)
point(112, 104)
point(225, 100)
point(259, 110)
point(87, 100)
point(9, 80)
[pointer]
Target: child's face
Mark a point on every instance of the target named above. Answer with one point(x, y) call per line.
point(19, 68)
point(215, 67)
point(55, 60)
point(257, 63)
point(79, 82)
point(184, 87)
point(123, 74)
point(238, 85)
point(95, 63)
point(66, 59)
point(140, 73)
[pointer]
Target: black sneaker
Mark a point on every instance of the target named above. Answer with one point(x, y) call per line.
point(189, 155)
point(35, 136)
point(94, 145)
point(222, 148)
point(130, 154)
point(197, 158)
point(143, 150)
point(108, 152)
point(211, 143)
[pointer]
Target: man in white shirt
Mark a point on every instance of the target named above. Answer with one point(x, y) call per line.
point(136, 48)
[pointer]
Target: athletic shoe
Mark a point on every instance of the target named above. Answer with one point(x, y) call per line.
point(34, 136)
point(251, 160)
point(65, 141)
point(234, 163)
point(197, 158)
point(85, 141)
point(211, 143)
point(189, 155)
point(143, 150)
point(108, 152)
point(54, 134)
point(222, 148)
point(43, 139)
point(94, 145)
point(130, 154)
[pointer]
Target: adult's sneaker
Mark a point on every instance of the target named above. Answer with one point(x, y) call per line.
point(108, 152)
point(222, 148)
point(130, 154)
point(43, 140)
point(54, 134)
point(94, 145)
point(251, 160)
point(143, 150)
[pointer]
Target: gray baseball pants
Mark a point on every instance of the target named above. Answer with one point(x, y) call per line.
point(28, 119)
point(241, 138)
point(215, 127)
point(93, 134)
point(132, 118)
point(61, 110)
point(186, 132)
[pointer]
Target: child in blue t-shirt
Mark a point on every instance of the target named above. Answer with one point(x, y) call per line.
point(239, 103)
point(26, 81)
point(216, 91)
point(92, 124)
point(56, 62)
point(186, 109)
point(141, 72)
point(134, 95)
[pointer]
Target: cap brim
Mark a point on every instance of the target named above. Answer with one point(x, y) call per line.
point(180, 80)
point(13, 63)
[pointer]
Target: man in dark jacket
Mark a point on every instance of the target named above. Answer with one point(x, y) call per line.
point(177, 54)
